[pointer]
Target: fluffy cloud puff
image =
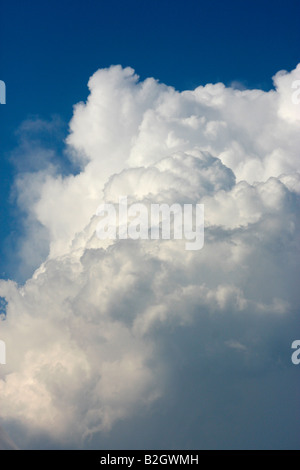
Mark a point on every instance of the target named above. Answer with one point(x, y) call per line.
point(84, 335)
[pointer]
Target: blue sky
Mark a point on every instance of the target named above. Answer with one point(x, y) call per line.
point(125, 344)
point(48, 50)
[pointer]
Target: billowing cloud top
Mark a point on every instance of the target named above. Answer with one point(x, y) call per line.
point(85, 335)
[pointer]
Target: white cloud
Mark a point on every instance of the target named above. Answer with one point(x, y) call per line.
point(83, 334)
point(235, 345)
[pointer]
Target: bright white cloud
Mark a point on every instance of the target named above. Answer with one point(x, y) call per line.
point(81, 334)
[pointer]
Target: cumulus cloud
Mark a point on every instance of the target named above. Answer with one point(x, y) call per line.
point(86, 334)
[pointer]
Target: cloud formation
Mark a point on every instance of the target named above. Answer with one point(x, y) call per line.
point(86, 335)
